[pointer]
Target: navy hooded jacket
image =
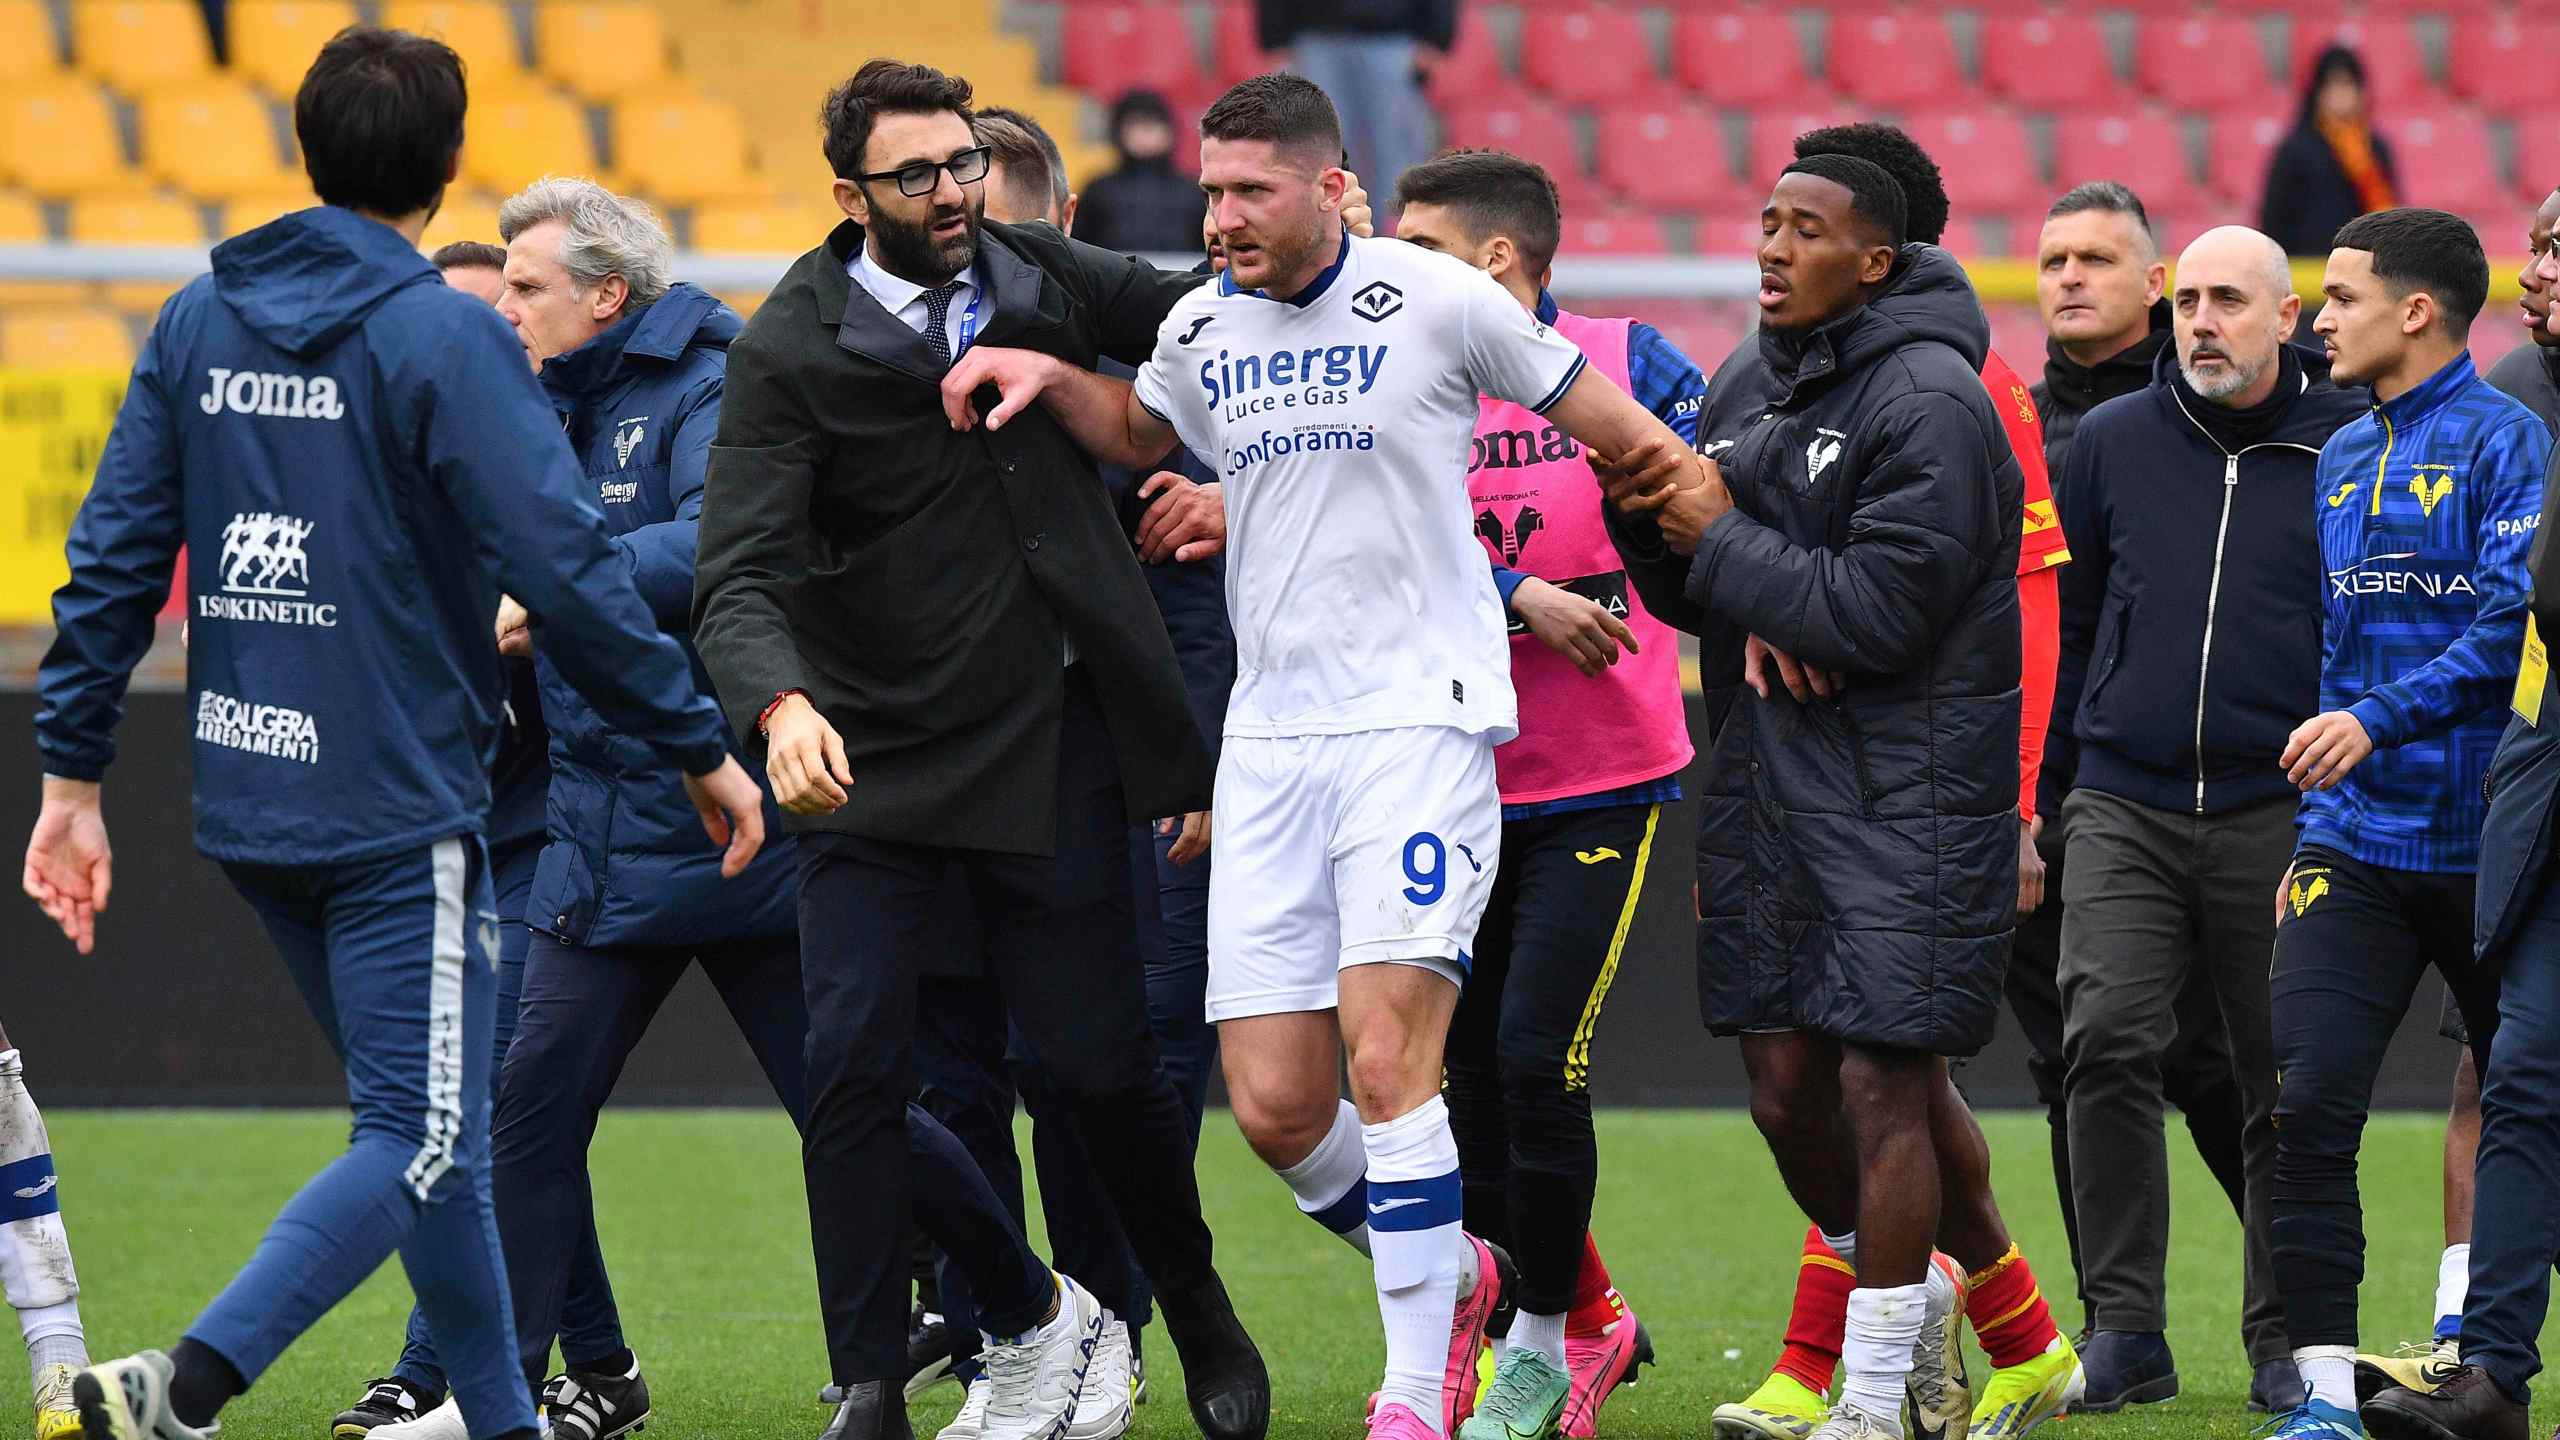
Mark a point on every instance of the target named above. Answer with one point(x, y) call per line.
point(359, 460)
point(628, 863)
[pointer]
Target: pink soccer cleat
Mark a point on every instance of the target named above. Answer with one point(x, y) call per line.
point(1600, 1364)
point(1466, 1336)
point(1397, 1422)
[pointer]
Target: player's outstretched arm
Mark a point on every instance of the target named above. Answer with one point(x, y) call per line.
point(1101, 414)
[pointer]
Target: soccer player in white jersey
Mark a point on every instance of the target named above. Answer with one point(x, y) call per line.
point(1332, 383)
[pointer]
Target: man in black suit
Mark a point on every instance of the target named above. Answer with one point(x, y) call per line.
point(952, 662)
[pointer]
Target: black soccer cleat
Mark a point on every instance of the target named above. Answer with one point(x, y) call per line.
point(387, 1401)
point(930, 1350)
point(591, 1405)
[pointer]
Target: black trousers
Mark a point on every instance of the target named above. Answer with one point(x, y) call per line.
point(1518, 1059)
point(2195, 1074)
point(1061, 945)
point(2352, 944)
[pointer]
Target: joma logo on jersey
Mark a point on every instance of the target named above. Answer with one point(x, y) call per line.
point(255, 392)
point(1518, 449)
point(2357, 579)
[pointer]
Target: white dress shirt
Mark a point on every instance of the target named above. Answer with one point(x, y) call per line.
point(904, 298)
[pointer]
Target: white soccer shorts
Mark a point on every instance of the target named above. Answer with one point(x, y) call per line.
point(1377, 846)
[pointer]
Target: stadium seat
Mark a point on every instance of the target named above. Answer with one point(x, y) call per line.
point(1705, 330)
point(139, 299)
point(1738, 57)
point(2177, 229)
point(58, 138)
point(136, 220)
point(2501, 61)
point(248, 212)
point(26, 41)
point(1986, 155)
point(464, 217)
point(65, 337)
point(2052, 60)
point(1114, 47)
point(480, 31)
point(2537, 152)
point(1473, 65)
point(2445, 159)
point(760, 226)
point(745, 302)
point(1772, 145)
point(2394, 59)
point(1585, 55)
point(517, 138)
point(681, 150)
point(1669, 154)
point(2142, 148)
point(1236, 52)
point(273, 41)
point(1527, 126)
point(2239, 144)
point(135, 45)
point(2202, 61)
point(1893, 57)
point(2017, 334)
point(1617, 231)
point(215, 139)
point(598, 49)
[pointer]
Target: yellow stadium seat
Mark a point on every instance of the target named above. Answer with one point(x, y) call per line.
point(42, 294)
point(678, 151)
point(136, 220)
point(140, 299)
point(26, 41)
point(762, 226)
point(21, 219)
point(59, 138)
point(214, 140)
point(464, 217)
point(65, 336)
point(136, 45)
point(601, 49)
point(248, 212)
point(516, 139)
point(274, 41)
point(480, 31)
point(744, 302)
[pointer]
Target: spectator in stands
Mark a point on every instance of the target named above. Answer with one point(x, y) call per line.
point(2334, 166)
point(2098, 285)
point(2189, 500)
point(474, 267)
point(1145, 204)
point(1364, 54)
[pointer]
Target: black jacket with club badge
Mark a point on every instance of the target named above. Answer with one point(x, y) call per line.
point(1858, 856)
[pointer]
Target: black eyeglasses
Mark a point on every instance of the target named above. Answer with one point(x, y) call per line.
point(967, 168)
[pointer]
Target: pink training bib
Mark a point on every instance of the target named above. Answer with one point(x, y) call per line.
point(1538, 510)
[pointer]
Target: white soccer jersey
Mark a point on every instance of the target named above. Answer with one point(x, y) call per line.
point(1339, 422)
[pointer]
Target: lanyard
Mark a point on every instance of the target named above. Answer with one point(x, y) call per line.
point(968, 322)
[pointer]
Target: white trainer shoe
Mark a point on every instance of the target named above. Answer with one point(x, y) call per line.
point(1033, 1380)
point(1108, 1401)
point(442, 1423)
point(972, 1418)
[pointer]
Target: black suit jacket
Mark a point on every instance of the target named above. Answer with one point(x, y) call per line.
point(920, 583)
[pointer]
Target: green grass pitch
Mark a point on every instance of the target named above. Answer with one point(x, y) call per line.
point(707, 1236)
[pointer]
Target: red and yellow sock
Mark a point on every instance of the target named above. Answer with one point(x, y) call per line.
point(1821, 1317)
point(2008, 1312)
point(1596, 1305)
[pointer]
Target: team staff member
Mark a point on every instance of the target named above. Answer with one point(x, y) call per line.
point(945, 642)
point(346, 698)
point(1603, 737)
point(2424, 515)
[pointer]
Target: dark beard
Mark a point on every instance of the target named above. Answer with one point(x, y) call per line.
point(912, 254)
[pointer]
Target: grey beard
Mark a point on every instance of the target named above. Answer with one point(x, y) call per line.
point(2235, 378)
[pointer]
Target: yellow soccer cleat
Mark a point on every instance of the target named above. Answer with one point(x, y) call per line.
point(1781, 1409)
point(2023, 1397)
point(2417, 1367)
point(56, 1417)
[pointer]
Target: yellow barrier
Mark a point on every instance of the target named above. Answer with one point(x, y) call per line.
point(53, 424)
point(2014, 281)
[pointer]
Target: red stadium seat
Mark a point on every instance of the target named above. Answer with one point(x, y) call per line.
point(1473, 64)
point(1772, 145)
point(2201, 62)
point(2053, 60)
point(2445, 160)
point(1616, 231)
point(1893, 57)
point(1533, 128)
point(1114, 47)
point(1671, 155)
point(2537, 152)
point(2177, 229)
point(2240, 142)
point(1584, 56)
point(2394, 62)
point(2502, 61)
point(1738, 57)
point(1237, 50)
point(2141, 148)
point(1705, 330)
point(1986, 156)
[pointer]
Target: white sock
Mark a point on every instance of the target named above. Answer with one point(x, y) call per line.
point(1542, 1333)
point(2329, 1373)
point(2453, 1290)
point(36, 1272)
point(54, 1337)
point(1332, 1183)
point(1875, 1357)
point(1845, 1246)
point(1414, 1205)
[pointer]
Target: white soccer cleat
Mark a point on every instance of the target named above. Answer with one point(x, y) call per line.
point(1937, 1403)
point(1033, 1380)
point(972, 1418)
point(1108, 1401)
point(1848, 1422)
point(128, 1399)
point(442, 1423)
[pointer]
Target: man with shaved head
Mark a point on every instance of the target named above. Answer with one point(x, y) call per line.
point(2190, 645)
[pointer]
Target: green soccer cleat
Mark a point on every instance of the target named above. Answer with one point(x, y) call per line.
point(2417, 1367)
point(2023, 1397)
point(1781, 1409)
point(128, 1399)
point(1525, 1401)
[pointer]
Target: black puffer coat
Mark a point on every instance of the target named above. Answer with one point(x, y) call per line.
point(1859, 856)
